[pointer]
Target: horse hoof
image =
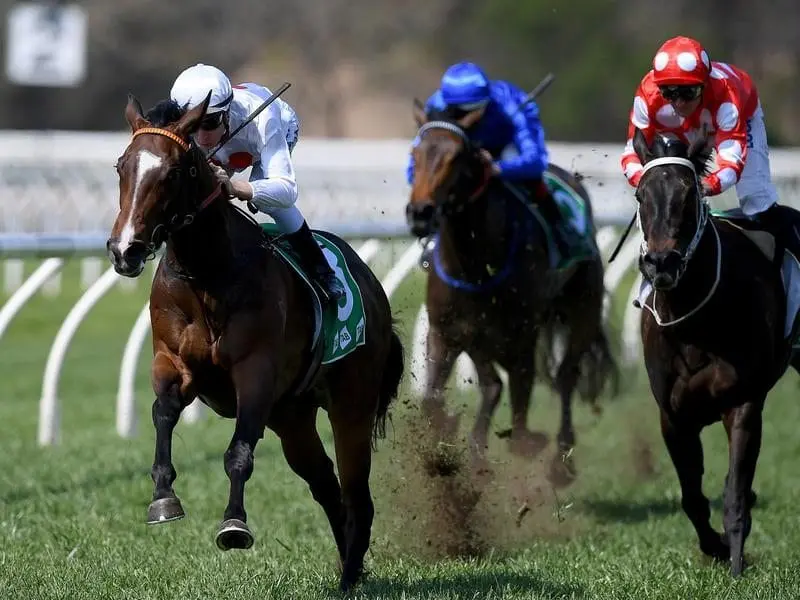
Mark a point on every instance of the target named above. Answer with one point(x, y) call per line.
point(164, 510)
point(349, 580)
point(234, 534)
point(717, 548)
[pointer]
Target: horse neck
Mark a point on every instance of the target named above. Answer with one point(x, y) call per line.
point(205, 246)
point(478, 237)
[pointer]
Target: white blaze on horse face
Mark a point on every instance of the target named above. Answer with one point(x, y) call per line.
point(147, 161)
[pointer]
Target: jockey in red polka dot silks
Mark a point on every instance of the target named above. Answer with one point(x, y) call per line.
point(686, 93)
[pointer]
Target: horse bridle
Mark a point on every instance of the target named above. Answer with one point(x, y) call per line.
point(703, 219)
point(702, 210)
point(178, 222)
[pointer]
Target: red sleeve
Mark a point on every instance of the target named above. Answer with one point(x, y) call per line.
point(730, 141)
point(640, 118)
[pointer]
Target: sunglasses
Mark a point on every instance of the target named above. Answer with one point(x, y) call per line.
point(212, 121)
point(687, 93)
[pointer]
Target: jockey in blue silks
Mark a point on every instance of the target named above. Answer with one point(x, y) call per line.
point(509, 131)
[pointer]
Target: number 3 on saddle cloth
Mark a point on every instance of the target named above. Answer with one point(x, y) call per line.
point(570, 232)
point(340, 329)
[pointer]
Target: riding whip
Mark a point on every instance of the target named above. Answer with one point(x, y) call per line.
point(252, 116)
point(622, 239)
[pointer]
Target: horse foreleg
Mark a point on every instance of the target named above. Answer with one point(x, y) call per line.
point(440, 358)
point(169, 402)
point(491, 388)
point(254, 381)
point(686, 451)
point(743, 425)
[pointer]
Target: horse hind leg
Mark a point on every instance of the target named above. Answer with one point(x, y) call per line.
point(562, 468)
point(306, 456)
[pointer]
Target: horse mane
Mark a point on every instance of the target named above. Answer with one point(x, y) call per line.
point(662, 146)
point(449, 114)
point(164, 112)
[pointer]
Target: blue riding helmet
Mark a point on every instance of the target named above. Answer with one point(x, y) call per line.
point(465, 85)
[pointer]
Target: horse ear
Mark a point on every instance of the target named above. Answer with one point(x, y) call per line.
point(420, 116)
point(190, 121)
point(469, 119)
point(640, 146)
point(134, 115)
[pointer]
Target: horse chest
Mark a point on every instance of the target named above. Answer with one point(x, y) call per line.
point(702, 381)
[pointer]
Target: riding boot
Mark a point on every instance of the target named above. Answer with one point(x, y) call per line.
point(552, 214)
point(784, 223)
point(314, 262)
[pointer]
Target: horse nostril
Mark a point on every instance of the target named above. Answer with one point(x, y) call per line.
point(135, 252)
point(112, 249)
point(417, 212)
point(650, 258)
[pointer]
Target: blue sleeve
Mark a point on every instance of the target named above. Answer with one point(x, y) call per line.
point(435, 102)
point(532, 159)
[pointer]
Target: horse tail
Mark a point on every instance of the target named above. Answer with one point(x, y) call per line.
point(597, 367)
point(390, 383)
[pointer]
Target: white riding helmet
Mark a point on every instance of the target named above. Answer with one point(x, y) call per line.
point(192, 86)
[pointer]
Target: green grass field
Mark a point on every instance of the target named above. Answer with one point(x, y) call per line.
point(72, 516)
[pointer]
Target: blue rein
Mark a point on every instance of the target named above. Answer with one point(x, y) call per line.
point(494, 281)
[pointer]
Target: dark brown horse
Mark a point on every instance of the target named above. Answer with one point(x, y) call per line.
point(233, 325)
point(499, 292)
point(712, 332)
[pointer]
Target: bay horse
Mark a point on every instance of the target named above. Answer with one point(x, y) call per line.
point(233, 324)
point(493, 292)
point(712, 333)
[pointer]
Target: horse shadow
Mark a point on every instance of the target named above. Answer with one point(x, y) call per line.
point(622, 511)
point(493, 581)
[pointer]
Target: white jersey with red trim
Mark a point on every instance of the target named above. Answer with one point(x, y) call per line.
point(265, 144)
point(729, 100)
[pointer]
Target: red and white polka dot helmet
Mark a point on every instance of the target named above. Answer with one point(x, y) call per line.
point(681, 61)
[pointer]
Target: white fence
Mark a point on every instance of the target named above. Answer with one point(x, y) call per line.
point(63, 182)
point(59, 197)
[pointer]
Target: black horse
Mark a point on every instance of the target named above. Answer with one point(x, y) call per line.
point(712, 333)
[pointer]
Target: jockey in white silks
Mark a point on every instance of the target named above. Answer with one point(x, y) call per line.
point(266, 145)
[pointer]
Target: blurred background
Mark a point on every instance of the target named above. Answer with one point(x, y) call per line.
point(355, 64)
